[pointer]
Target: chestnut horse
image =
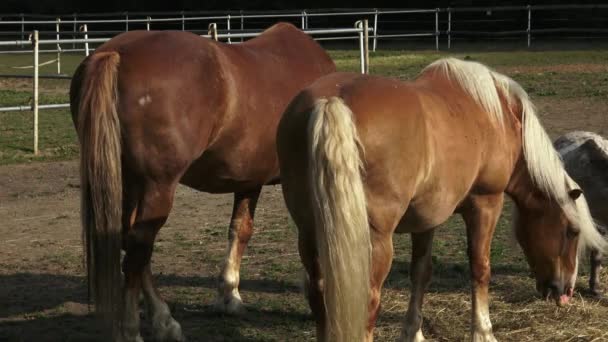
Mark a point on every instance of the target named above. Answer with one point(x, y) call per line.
point(363, 157)
point(585, 157)
point(154, 109)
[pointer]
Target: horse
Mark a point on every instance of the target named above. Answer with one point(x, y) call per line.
point(364, 157)
point(585, 157)
point(154, 109)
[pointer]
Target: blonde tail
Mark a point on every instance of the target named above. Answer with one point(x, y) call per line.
point(101, 182)
point(341, 222)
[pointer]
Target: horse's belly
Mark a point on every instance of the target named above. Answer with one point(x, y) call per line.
point(416, 222)
point(427, 213)
point(215, 174)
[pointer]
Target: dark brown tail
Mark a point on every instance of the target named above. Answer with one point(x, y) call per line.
point(101, 182)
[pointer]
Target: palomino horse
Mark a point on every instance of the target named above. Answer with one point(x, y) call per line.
point(363, 157)
point(585, 157)
point(154, 109)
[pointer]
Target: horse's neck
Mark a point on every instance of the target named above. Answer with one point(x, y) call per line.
point(521, 187)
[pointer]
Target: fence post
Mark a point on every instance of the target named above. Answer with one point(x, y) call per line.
point(58, 47)
point(74, 27)
point(183, 22)
point(148, 23)
point(213, 31)
point(302, 25)
point(242, 25)
point(35, 100)
point(375, 30)
point(305, 19)
point(529, 30)
point(83, 28)
point(22, 28)
point(437, 29)
point(366, 45)
point(359, 25)
point(126, 21)
point(228, 27)
point(449, 28)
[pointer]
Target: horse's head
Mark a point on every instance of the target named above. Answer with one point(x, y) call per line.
point(552, 233)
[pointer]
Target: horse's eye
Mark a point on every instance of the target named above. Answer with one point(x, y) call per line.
point(571, 233)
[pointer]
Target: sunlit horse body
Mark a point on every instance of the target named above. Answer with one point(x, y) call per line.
point(363, 157)
point(585, 157)
point(153, 109)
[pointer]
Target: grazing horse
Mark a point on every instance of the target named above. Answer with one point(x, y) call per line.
point(363, 157)
point(154, 109)
point(585, 157)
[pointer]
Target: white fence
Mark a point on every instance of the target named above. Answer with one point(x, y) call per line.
point(519, 22)
point(190, 22)
point(360, 31)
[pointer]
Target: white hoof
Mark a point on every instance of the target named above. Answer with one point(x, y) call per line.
point(417, 337)
point(136, 338)
point(484, 337)
point(232, 305)
point(168, 330)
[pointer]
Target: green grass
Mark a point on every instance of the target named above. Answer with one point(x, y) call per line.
point(14, 64)
point(58, 139)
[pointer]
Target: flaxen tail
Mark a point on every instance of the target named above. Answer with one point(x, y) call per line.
point(101, 182)
point(341, 222)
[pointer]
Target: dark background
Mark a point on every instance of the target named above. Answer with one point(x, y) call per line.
point(547, 24)
point(88, 6)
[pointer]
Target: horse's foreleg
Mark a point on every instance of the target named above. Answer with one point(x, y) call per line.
point(594, 278)
point(480, 216)
point(150, 214)
point(421, 269)
point(240, 231)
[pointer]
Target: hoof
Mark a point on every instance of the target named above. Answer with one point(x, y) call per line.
point(484, 337)
point(417, 337)
point(596, 291)
point(168, 331)
point(122, 338)
point(231, 306)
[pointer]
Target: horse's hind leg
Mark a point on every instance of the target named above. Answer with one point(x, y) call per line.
point(165, 327)
point(420, 277)
point(382, 258)
point(594, 278)
point(149, 213)
point(313, 282)
point(240, 231)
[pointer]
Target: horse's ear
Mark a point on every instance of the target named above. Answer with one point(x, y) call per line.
point(575, 194)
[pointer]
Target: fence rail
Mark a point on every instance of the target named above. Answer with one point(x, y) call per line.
point(386, 23)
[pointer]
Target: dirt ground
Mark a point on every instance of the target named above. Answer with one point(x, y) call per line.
point(43, 293)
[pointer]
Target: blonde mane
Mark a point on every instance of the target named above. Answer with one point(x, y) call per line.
point(543, 161)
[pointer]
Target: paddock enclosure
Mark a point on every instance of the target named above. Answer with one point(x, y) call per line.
point(43, 294)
